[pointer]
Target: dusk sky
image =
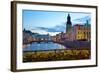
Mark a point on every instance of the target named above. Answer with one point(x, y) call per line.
point(53, 21)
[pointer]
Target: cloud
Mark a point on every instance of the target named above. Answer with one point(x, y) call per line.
point(52, 30)
point(57, 28)
point(43, 31)
point(83, 19)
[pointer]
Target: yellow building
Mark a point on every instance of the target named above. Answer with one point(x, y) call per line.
point(83, 33)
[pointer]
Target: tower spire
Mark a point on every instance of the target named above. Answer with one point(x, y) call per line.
point(69, 23)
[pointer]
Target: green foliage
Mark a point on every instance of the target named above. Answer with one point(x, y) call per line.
point(56, 55)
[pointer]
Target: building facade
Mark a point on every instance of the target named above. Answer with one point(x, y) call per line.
point(77, 32)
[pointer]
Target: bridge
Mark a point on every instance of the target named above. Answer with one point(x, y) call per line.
point(67, 44)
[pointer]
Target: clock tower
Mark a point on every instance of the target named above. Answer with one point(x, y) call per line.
point(68, 24)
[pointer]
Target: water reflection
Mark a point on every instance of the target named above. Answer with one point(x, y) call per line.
point(43, 46)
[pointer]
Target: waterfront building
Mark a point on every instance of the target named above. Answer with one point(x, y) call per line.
point(77, 31)
point(63, 36)
point(58, 37)
point(81, 32)
point(54, 38)
point(43, 37)
point(27, 36)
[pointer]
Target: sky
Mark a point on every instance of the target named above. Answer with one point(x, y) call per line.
point(51, 22)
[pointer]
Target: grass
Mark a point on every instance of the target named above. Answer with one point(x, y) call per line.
point(56, 55)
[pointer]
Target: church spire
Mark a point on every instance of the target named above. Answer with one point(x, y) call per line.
point(68, 18)
point(69, 23)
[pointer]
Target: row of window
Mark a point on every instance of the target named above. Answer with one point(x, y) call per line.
point(83, 32)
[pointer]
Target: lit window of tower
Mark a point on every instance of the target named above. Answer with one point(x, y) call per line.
point(69, 23)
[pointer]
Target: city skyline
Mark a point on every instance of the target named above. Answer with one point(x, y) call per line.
point(70, 40)
point(51, 22)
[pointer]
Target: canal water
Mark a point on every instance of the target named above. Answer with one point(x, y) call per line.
point(43, 46)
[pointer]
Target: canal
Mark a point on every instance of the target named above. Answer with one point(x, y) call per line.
point(43, 46)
